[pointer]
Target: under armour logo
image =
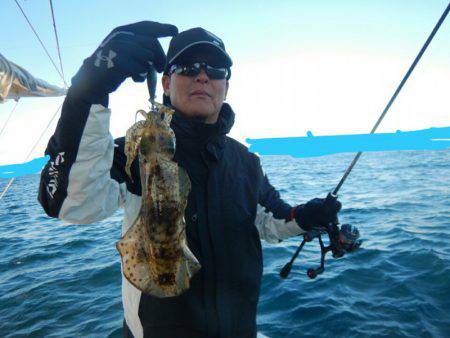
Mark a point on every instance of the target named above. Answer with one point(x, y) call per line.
point(108, 59)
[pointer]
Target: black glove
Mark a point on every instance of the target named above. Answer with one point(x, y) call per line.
point(317, 212)
point(129, 50)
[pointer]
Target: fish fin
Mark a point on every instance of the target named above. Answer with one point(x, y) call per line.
point(140, 271)
point(191, 262)
point(132, 139)
point(184, 185)
point(188, 267)
point(135, 263)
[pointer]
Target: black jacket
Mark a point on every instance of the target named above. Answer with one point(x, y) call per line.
point(231, 205)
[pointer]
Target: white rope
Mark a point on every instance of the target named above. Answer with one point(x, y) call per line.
point(61, 74)
point(9, 117)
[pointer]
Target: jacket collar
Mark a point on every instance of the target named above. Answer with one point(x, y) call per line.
point(193, 133)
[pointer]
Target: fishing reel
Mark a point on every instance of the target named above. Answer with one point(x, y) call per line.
point(345, 239)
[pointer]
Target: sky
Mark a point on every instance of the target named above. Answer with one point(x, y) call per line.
point(329, 67)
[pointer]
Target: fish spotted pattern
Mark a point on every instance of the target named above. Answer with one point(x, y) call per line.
point(154, 251)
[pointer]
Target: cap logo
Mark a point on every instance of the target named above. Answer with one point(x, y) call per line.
point(216, 39)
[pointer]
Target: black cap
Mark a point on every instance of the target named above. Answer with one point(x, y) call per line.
point(195, 39)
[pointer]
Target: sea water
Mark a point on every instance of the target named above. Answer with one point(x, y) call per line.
point(63, 280)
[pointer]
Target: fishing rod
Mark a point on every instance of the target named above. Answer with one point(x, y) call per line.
point(346, 239)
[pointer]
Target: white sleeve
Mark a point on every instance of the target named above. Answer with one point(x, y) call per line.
point(92, 194)
point(76, 184)
point(274, 230)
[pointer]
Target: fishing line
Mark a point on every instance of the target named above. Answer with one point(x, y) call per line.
point(42, 134)
point(32, 149)
point(9, 117)
point(61, 74)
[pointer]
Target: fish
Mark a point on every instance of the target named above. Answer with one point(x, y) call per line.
point(154, 252)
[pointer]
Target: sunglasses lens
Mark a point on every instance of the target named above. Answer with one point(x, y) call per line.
point(191, 70)
point(194, 70)
point(216, 73)
point(185, 70)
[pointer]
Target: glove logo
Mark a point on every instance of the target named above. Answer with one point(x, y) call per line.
point(216, 39)
point(108, 59)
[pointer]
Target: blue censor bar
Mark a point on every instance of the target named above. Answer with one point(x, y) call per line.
point(308, 146)
point(16, 170)
point(311, 146)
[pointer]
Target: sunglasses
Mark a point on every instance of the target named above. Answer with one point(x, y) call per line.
point(195, 68)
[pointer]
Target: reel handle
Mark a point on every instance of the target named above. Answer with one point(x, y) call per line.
point(312, 273)
point(338, 246)
point(284, 273)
